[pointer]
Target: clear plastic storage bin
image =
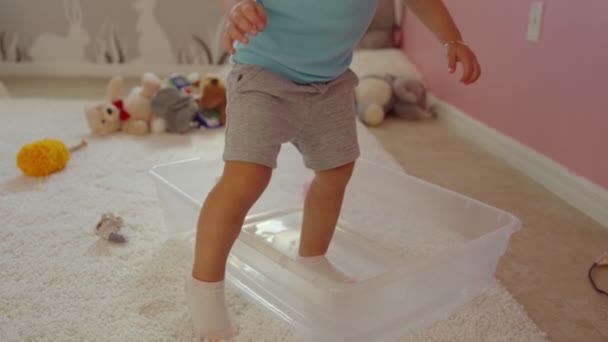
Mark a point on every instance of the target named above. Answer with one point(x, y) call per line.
point(412, 252)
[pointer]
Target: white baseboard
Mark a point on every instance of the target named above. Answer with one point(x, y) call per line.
point(99, 70)
point(579, 192)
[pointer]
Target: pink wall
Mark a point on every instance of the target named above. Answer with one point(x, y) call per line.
point(551, 96)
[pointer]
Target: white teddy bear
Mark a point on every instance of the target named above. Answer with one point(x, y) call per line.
point(379, 96)
point(389, 84)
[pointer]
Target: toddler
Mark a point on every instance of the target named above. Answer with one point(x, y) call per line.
point(290, 82)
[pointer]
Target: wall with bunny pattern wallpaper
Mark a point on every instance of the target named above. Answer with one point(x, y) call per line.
point(146, 32)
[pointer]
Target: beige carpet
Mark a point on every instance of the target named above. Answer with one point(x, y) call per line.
point(545, 267)
point(62, 283)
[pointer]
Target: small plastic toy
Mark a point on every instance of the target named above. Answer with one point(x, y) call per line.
point(109, 226)
point(180, 83)
point(208, 118)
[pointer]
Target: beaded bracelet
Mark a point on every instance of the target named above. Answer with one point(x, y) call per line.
point(452, 42)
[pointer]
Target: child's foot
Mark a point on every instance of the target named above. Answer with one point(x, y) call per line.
point(325, 269)
point(207, 305)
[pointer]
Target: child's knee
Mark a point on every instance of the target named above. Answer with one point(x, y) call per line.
point(337, 177)
point(245, 180)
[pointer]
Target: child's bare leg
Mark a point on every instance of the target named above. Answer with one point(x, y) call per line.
point(219, 224)
point(223, 214)
point(321, 211)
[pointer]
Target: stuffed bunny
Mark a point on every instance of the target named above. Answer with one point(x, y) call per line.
point(381, 95)
point(132, 114)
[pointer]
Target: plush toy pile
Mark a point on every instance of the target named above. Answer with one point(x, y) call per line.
point(179, 104)
point(176, 105)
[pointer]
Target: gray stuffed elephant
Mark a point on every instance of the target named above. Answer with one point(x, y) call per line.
point(177, 109)
point(381, 95)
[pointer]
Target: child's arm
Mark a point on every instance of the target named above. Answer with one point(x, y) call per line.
point(435, 16)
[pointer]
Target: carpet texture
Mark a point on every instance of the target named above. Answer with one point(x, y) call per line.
point(60, 282)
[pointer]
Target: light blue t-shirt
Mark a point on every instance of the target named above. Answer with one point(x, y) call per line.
point(308, 40)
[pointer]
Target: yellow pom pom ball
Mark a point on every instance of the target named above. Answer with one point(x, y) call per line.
point(44, 157)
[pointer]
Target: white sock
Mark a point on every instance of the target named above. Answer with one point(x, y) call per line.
point(208, 309)
point(324, 268)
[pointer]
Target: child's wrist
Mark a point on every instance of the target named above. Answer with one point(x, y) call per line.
point(450, 43)
point(451, 37)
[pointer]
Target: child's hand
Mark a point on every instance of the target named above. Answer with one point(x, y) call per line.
point(247, 16)
point(458, 52)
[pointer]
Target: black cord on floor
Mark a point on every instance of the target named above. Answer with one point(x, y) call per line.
point(590, 276)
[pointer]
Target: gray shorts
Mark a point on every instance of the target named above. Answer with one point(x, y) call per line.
point(266, 110)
